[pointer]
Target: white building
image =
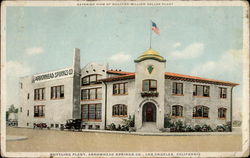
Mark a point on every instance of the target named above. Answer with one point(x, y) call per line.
point(100, 96)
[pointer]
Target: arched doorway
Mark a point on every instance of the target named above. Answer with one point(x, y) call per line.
point(149, 112)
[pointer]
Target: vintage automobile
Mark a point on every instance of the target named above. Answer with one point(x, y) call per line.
point(72, 124)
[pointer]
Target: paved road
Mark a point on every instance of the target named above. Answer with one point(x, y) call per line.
point(66, 141)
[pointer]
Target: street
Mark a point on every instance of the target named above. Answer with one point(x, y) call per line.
point(68, 141)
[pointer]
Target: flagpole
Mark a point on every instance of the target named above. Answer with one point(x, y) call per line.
point(150, 34)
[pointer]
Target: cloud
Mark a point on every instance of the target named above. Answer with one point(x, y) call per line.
point(17, 69)
point(177, 44)
point(120, 58)
point(192, 51)
point(229, 62)
point(34, 51)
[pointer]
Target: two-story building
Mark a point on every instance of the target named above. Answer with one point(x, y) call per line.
point(101, 96)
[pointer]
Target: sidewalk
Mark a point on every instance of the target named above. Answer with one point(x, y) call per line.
point(11, 138)
point(165, 133)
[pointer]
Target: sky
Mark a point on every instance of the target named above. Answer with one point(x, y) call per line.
point(200, 41)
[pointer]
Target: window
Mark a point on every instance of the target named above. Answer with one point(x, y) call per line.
point(39, 110)
point(94, 93)
point(21, 85)
point(177, 110)
point(51, 125)
point(57, 92)
point(222, 113)
point(39, 94)
point(28, 112)
point(119, 110)
point(28, 96)
point(223, 92)
point(120, 88)
point(21, 109)
point(199, 90)
point(149, 85)
point(91, 79)
point(92, 111)
point(56, 125)
point(200, 111)
point(177, 88)
point(27, 124)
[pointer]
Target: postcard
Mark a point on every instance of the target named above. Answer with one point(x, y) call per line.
point(124, 79)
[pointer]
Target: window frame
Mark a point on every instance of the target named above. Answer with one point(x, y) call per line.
point(221, 95)
point(117, 88)
point(149, 85)
point(175, 88)
point(204, 110)
point(39, 94)
point(57, 92)
point(98, 119)
point(39, 111)
point(222, 111)
point(119, 110)
point(195, 90)
point(178, 111)
point(88, 94)
point(89, 82)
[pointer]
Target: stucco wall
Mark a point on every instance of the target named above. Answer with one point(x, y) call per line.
point(188, 101)
point(158, 74)
point(57, 111)
point(127, 99)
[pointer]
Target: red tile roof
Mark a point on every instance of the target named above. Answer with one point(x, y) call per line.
point(168, 75)
point(176, 76)
point(118, 78)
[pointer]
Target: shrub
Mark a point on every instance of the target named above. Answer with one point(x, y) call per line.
point(236, 123)
point(220, 128)
point(188, 129)
point(206, 128)
point(167, 122)
point(197, 128)
point(111, 127)
point(179, 126)
point(119, 128)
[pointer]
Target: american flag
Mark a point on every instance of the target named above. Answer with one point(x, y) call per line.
point(155, 28)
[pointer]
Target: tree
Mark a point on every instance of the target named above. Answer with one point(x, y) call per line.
point(12, 109)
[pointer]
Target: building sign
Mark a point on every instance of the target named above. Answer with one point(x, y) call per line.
point(53, 75)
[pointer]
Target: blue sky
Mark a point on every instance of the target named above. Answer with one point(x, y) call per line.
point(202, 41)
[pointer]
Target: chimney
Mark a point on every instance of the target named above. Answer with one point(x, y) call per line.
point(76, 84)
point(76, 61)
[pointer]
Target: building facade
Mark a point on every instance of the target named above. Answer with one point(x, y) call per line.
point(101, 96)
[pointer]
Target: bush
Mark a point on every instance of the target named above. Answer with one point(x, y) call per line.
point(179, 126)
point(127, 123)
point(119, 128)
point(111, 127)
point(220, 128)
point(206, 128)
point(189, 129)
point(236, 123)
point(167, 122)
point(197, 128)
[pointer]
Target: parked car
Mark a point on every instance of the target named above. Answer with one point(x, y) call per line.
point(72, 124)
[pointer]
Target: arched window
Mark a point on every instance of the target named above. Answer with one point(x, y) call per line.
point(222, 113)
point(149, 85)
point(91, 79)
point(119, 110)
point(200, 111)
point(177, 110)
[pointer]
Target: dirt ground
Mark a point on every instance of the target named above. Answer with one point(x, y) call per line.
point(68, 141)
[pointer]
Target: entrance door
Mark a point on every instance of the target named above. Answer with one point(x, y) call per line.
point(149, 112)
